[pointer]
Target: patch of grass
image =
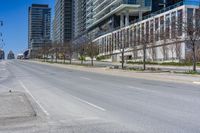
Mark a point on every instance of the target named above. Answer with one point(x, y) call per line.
point(99, 58)
point(165, 63)
point(192, 72)
point(188, 72)
point(82, 58)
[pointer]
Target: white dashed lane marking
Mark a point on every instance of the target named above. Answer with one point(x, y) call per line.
point(26, 89)
point(198, 83)
point(85, 78)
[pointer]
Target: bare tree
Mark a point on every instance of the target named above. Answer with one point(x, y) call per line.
point(144, 39)
point(121, 42)
point(80, 49)
point(172, 49)
point(92, 50)
point(56, 50)
point(62, 51)
point(191, 29)
point(178, 51)
point(43, 51)
point(70, 49)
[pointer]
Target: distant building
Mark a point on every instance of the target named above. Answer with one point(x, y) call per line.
point(62, 23)
point(2, 54)
point(20, 56)
point(39, 23)
point(11, 55)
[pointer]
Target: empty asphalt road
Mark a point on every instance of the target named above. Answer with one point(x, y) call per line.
point(80, 101)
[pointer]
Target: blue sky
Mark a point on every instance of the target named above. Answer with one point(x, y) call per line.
point(14, 14)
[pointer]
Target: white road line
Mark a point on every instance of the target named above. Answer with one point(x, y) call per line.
point(198, 83)
point(132, 87)
point(85, 78)
point(91, 104)
point(26, 89)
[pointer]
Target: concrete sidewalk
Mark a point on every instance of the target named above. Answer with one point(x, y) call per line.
point(167, 77)
point(110, 64)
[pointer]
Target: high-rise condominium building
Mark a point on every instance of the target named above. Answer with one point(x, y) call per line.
point(63, 19)
point(100, 16)
point(39, 23)
point(108, 14)
point(79, 17)
point(163, 33)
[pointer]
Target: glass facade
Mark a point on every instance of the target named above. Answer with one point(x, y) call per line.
point(62, 24)
point(39, 23)
point(192, 2)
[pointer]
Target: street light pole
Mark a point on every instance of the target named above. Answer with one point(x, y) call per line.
point(1, 43)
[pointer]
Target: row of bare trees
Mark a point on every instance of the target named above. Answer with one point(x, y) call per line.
point(64, 51)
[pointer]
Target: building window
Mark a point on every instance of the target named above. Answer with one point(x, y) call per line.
point(167, 28)
point(138, 34)
point(152, 31)
point(162, 28)
point(156, 29)
point(197, 18)
point(180, 22)
point(190, 17)
point(135, 36)
point(147, 31)
point(173, 25)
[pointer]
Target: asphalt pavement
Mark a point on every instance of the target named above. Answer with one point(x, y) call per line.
point(78, 101)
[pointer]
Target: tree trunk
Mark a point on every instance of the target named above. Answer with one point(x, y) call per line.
point(123, 58)
point(92, 61)
point(52, 58)
point(70, 60)
point(194, 58)
point(81, 60)
point(56, 56)
point(64, 59)
point(144, 58)
point(44, 56)
point(47, 57)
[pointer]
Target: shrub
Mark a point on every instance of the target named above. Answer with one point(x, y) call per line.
point(99, 58)
point(82, 58)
